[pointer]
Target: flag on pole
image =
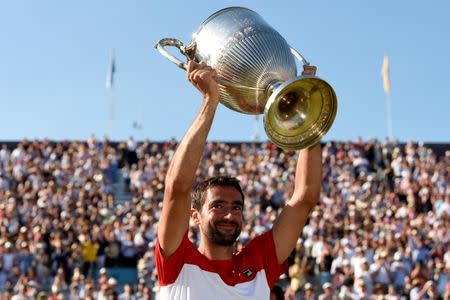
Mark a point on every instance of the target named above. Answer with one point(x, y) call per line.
point(111, 71)
point(385, 74)
point(387, 89)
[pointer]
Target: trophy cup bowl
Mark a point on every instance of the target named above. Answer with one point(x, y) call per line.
point(257, 74)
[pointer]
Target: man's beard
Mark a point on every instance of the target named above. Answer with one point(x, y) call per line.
point(215, 236)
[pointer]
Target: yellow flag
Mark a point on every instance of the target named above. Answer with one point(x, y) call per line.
point(385, 74)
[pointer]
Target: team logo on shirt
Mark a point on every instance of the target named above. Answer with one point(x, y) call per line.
point(247, 272)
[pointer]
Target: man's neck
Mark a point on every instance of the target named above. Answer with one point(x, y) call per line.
point(214, 251)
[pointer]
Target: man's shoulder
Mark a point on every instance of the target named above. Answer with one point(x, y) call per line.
point(260, 239)
point(257, 248)
point(186, 247)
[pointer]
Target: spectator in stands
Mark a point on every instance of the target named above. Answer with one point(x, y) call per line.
point(328, 293)
point(127, 293)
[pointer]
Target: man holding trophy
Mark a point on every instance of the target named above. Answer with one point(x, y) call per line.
point(213, 271)
point(292, 121)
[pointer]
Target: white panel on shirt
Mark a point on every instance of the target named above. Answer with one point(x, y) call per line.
point(194, 283)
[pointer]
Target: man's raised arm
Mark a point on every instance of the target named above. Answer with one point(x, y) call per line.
point(289, 225)
point(174, 219)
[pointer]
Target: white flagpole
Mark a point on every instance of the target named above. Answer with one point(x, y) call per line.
point(140, 123)
point(255, 136)
point(111, 114)
point(389, 116)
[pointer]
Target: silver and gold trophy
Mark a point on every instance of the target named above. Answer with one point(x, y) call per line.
point(257, 73)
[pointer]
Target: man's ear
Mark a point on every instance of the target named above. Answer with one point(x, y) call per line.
point(195, 216)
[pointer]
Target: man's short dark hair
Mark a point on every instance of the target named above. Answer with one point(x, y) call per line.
point(199, 192)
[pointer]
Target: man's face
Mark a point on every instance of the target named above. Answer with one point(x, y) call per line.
point(221, 215)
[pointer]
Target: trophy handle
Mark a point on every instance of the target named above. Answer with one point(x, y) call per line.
point(300, 57)
point(189, 52)
point(186, 51)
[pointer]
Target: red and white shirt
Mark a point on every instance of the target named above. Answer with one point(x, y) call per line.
point(189, 275)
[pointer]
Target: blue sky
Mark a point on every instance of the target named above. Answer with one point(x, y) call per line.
point(54, 57)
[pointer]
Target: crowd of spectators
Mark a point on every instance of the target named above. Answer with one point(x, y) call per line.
point(381, 230)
